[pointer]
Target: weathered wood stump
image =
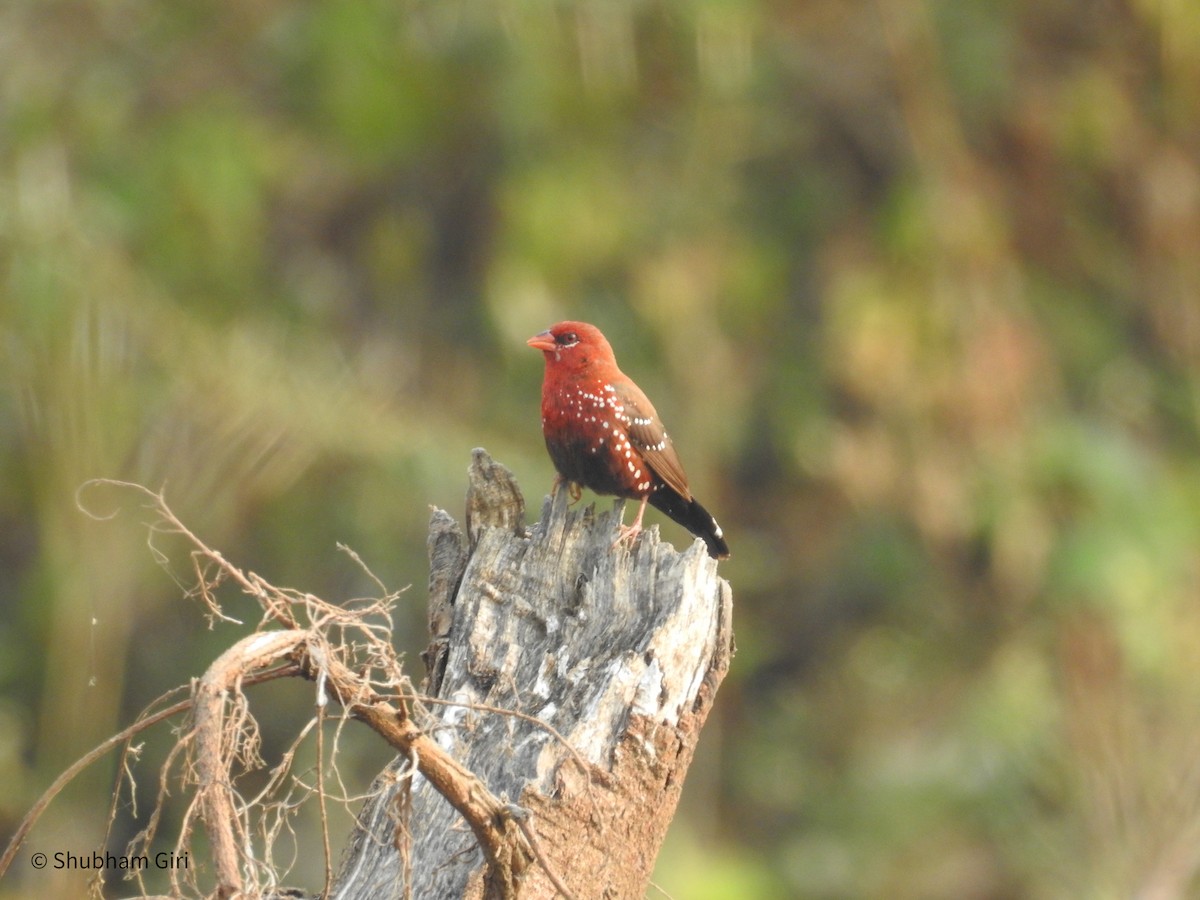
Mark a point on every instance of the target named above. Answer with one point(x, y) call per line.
point(619, 651)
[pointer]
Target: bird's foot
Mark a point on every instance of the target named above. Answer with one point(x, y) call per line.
point(627, 535)
point(573, 489)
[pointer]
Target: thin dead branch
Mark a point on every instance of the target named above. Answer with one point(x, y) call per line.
point(217, 742)
point(224, 732)
point(144, 722)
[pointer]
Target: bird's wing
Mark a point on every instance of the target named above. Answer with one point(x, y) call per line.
point(649, 438)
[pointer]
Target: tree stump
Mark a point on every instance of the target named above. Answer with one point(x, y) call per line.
point(619, 652)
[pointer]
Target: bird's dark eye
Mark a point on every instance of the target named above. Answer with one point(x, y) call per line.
point(567, 339)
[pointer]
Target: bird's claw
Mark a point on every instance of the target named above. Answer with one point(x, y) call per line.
point(574, 490)
point(627, 535)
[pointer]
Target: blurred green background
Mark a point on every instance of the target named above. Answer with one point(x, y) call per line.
point(915, 285)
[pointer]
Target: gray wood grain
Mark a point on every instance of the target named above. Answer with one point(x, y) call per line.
point(619, 651)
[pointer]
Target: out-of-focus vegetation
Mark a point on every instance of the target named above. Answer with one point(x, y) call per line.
point(916, 286)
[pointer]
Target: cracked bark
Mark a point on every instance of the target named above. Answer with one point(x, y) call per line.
point(620, 652)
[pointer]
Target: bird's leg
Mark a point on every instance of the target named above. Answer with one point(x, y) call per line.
point(573, 488)
point(627, 534)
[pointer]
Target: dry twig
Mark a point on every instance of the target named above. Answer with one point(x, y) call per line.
point(348, 652)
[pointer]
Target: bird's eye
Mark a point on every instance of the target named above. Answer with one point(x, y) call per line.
point(568, 339)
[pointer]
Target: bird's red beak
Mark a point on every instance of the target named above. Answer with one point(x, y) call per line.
point(543, 342)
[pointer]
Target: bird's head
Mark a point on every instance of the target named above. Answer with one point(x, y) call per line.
point(572, 345)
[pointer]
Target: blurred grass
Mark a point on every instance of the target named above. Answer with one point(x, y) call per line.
point(913, 283)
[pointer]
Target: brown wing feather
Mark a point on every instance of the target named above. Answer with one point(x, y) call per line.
point(648, 437)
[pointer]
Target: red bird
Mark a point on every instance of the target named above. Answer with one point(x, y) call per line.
point(603, 434)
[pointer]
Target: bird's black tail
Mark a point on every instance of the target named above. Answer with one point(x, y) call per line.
point(692, 516)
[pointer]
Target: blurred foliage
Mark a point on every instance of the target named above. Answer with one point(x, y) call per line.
point(915, 284)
